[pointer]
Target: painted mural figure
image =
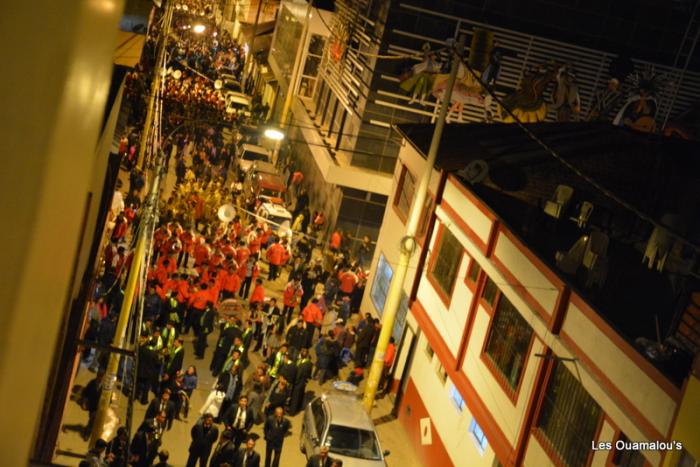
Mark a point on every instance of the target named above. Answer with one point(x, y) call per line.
point(467, 90)
point(567, 101)
point(605, 101)
point(639, 110)
point(421, 77)
point(527, 102)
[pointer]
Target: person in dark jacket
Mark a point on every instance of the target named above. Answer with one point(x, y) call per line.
point(231, 383)
point(204, 434)
point(246, 456)
point(276, 428)
point(328, 351)
point(89, 400)
point(304, 370)
point(206, 326)
point(365, 335)
point(277, 396)
point(162, 404)
point(288, 369)
point(229, 331)
point(141, 447)
point(225, 452)
point(239, 419)
point(148, 371)
point(296, 338)
point(117, 447)
point(322, 459)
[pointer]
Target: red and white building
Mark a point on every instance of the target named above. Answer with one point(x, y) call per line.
point(505, 359)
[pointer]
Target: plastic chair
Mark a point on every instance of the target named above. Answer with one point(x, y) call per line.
point(596, 248)
point(570, 261)
point(562, 196)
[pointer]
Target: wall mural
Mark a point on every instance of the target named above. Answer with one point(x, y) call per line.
point(627, 98)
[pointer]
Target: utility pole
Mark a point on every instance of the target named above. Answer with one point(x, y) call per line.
point(293, 79)
point(155, 85)
point(407, 245)
point(151, 206)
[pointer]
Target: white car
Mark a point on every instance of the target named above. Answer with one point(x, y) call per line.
point(249, 154)
point(340, 422)
point(279, 218)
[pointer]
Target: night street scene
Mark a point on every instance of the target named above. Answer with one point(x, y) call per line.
point(358, 233)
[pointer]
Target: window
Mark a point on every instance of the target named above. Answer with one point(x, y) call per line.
point(473, 272)
point(478, 436)
point(319, 419)
point(380, 286)
point(429, 351)
point(686, 460)
point(447, 258)
point(312, 65)
point(425, 217)
point(404, 195)
point(627, 457)
point(490, 291)
point(442, 373)
point(380, 289)
point(569, 417)
point(508, 341)
point(456, 398)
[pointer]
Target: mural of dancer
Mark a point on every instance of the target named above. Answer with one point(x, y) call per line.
point(639, 110)
point(566, 99)
point(419, 80)
point(527, 103)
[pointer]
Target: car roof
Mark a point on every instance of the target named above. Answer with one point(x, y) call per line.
point(347, 411)
point(254, 148)
point(276, 210)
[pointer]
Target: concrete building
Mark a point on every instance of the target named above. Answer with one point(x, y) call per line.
point(530, 324)
point(348, 96)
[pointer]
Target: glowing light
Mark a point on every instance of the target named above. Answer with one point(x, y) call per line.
point(218, 84)
point(199, 28)
point(274, 134)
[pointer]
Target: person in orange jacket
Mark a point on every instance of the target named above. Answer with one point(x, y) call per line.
point(277, 255)
point(258, 295)
point(197, 304)
point(313, 317)
point(348, 280)
point(291, 296)
point(336, 241)
point(231, 284)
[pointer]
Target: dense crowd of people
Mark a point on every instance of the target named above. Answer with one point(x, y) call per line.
point(212, 276)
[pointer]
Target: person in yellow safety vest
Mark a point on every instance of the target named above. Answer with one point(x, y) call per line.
point(173, 306)
point(173, 363)
point(147, 327)
point(233, 359)
point(156, 341)
point(246, 338)
point(279, 358)
point(169, 334)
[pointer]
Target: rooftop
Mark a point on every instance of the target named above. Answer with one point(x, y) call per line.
point(654, 176)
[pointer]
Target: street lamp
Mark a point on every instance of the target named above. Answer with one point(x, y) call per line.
point(199, 28)
point(277, 136)
point(274, 134)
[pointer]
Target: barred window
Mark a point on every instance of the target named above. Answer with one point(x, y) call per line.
point(447, 259)
point(508, 341)
point(474, 270)
point(490, 291)
point(628, 457)
point(404, 197)
point(569, 417)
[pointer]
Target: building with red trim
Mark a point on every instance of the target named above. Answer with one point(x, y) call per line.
point(530, 324)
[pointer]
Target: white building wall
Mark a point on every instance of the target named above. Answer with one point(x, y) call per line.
point(451, 424)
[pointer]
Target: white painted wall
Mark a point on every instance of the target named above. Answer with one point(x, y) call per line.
point(468, 211)
point(451, 424)
point(536, 283)
point(647, 396)
point(535, 456)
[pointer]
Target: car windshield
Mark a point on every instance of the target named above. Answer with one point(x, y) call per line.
point(353, 442)
point(254, 156)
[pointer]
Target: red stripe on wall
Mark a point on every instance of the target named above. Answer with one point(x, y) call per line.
point(412, 410)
